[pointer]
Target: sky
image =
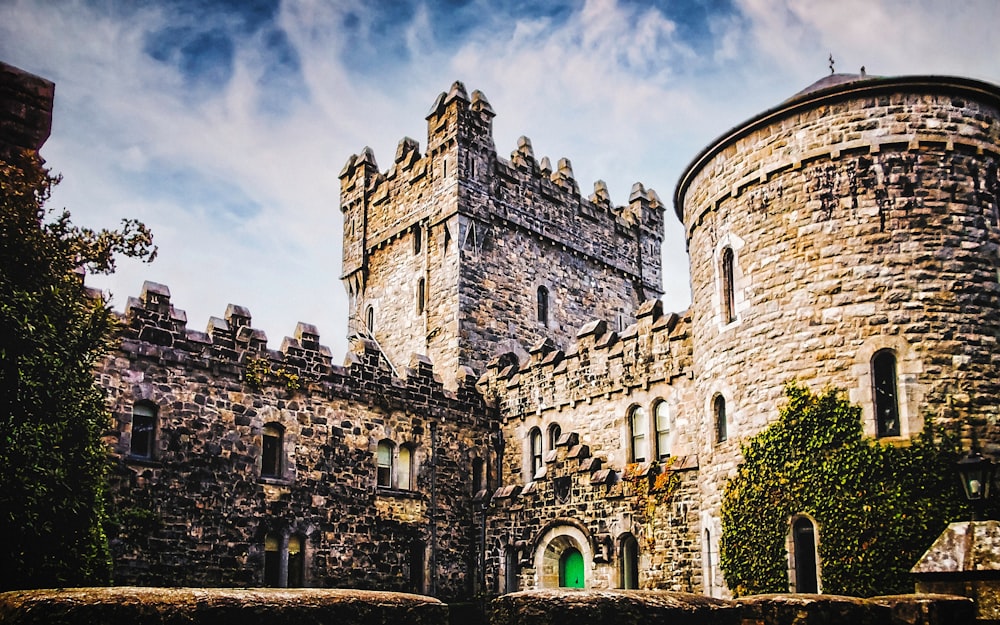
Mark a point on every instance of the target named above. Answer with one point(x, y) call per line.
point(223, 125)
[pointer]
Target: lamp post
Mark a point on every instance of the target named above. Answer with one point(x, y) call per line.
point(977, 474)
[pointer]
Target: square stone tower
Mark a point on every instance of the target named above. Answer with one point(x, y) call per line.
point(459, 255)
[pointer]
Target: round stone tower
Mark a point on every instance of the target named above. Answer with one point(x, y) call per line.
point(848, 237)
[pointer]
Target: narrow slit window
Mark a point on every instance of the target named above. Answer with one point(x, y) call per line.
point(421, 296)
point(721, 427)
point(886, 398)
point(728, 291)
point(543, 305)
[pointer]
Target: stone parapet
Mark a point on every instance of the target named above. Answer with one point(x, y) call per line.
point(155, 330)
point(603, 362)
point(594, 607)
point(25, 109)
point(218, 606)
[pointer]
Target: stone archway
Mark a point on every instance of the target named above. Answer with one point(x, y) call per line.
point(562, 549)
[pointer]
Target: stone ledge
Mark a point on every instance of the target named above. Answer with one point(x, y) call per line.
point(218, 606)
point(795, 609)
point(604, 607)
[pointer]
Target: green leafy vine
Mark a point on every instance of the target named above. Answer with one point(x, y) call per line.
point(258, 369)
point(877, 507)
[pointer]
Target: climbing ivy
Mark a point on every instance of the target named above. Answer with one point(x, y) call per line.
point(258, 369)
point(652, 486)
point(877, 506)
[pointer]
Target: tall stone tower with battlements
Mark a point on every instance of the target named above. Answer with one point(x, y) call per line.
point(459, 254)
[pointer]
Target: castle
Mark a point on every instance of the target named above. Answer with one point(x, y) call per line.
point(515, 388)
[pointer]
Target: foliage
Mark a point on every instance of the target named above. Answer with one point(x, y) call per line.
point(877, 506)
point(52, 413)
point(652, 486)
point(259, 368)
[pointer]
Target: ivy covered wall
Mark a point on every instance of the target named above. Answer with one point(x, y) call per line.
point(876, 506)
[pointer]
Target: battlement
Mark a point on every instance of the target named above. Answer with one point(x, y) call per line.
point(602, 362)
point(461, 173)
point(155, 329)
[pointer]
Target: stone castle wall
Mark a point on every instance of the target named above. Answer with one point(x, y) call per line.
point(25, 109)
point(860, 219)
point(197, 511)
point(482, 234)
point(589, 482)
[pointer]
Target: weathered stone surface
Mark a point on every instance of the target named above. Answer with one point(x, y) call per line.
point(217, 606)
point(928, 609)
point(197, 511)
point(962, 550)
point(603, 607)
point(805, 609)
point(25, 109)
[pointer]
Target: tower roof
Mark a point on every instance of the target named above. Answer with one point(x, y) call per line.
point(833, 88)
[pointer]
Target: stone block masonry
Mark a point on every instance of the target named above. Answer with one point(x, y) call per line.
point(253, 450)
point(850, 221)
point(457, 253)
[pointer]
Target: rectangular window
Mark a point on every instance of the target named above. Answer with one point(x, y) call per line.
point(272, 562)
point(270, 465)
point(383, 458)
point(143, 431)
point(405, 466)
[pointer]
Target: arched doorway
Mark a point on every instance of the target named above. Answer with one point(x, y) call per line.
point(563, 557)
point(804, 553)
point(628, 572)
point(571, 569)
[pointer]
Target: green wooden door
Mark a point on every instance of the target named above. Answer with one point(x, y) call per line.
point(571, 569)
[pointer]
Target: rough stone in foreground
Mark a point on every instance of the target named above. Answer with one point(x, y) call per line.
point(928, 609)
point(605, 607)
point(797, 609)
point(218, 606)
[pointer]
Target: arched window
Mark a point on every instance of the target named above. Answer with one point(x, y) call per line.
point(728, 292)
point(421, 296)
point(885, 397)
point(661, 414)
point(639, 434)
point(143, 430)
point(272, 561)
point(543, 305)
point(296, 562)
point(404, 468)
point(370, 320)
point(554, 433)
point(803, 555)
point(719, 415)
point(383, 460)
point(628, 572)
point(709, 563)
point(270, 459)
point(535, 452)
point(571, 574)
